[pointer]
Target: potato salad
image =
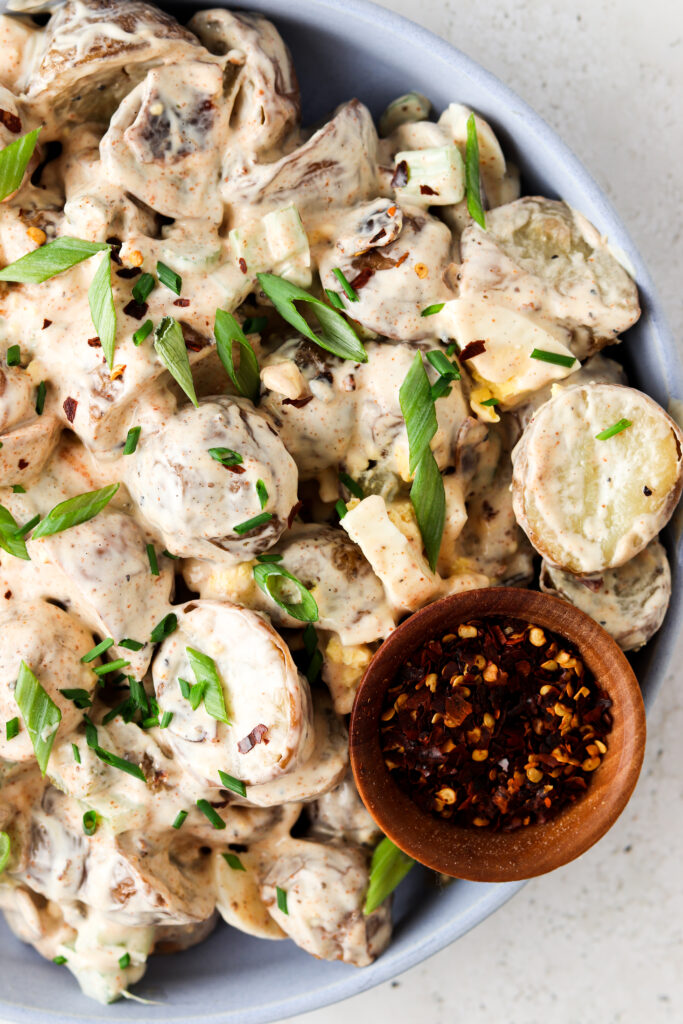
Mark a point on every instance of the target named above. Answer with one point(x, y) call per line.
point(265, 390)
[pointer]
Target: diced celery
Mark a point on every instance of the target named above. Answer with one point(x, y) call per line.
point(412, 106)
point(275, 244)
point(436, 177)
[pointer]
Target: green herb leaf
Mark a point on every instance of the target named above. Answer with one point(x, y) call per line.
point(11, 539)
point(351, 486)
point(12, 728)
point(75, 511)
point(51, 259)
point(100, 648)
point(337, 334)
point(169, 277)
point(491, 402)
point(435, 307)
point(40, 714)
point(18, 489)
point(169, 344)
point(179, 819)
point(14, 355)
point(247, 377)
point(253, 524)
point(124, 961)
point(90, 732)
point(59, 960)
point(80, 697)
point(143, 332)
point(215, 818)
point(617, 428)
point(152, 557)
point(351, 293)
point(5, 850)
point(102, 309)
point(233, 861)
point(90, 823)
point(226, 456)
point(27, 527)
point(132, 438)
point(143, 287)
point(14, 160)
point(472, 183)
point(281, 896)
point(206, 674)
point(168, 625)
point(552, 357)
point(272, 579)
point(428, 497)
point(418, 410)
point(231, 783)
point(388, 867)
point(41, 391)
point(340, 508)
point(262, 492)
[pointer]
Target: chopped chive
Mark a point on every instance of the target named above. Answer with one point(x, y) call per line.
point(5, 850)
point(90, 732)
point(233, 861)
point(126, 709)
point(153, 563)
point(351, 486)
point(439, 388)
point(281, 900)
point(442, 365)
point(12, 728)
point(131, 645)
point(490, 401)
point(262, 492)
point(335, 298)
point(169, 277)
point(268, 558)
point(617, 428)
point(231, 783)
point(132, 438)
point(76, 753)
point(40, 397)
point(143, 332)
point(114, 761)
point(18, 489)
point(110, 666)
point(340, 508)
point(138, 694)
point(166, 719)
point(168, 554)
point(207, 810)
point(81, 698)
point(254, 324)
point(143, 287)
point(90, 823)
point(168, 625)
point(124, 961)
point(185, 688)
point(351, 293)
point(435, 307)
point(100, 648)
point(472, 182)
point(226, 456)
point(253, 524)
point(552, 357)
point(59, 960)
point(179, 819)
point(452, 348)
point(388, 867)
point(14, 355)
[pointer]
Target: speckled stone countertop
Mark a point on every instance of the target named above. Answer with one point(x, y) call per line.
point(602, 939)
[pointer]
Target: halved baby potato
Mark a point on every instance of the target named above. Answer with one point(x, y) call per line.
point(587, 501)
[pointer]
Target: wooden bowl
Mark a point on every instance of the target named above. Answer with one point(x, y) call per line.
point(479, 854)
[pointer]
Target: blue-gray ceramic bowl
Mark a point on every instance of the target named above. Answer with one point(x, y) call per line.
point(231, 978)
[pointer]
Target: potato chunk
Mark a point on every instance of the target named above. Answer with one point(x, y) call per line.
point(589, 504)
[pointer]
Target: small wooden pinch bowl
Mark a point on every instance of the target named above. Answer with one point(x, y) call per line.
point(479, 854)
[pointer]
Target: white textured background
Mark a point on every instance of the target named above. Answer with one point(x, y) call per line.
point(602, 939)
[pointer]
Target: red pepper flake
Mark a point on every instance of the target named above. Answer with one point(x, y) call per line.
point(475, 348)
point(294, 513)
point(427, 190)
point(94, 343)
point(242, 263)
point(234, 469)
point(136, 309)
point(181, 302)
point(115, 250)
point(298, 403)
point(402, 259)
point(360, 280)
point(194, 341)
point(128, 272)
point(401, 175)
point(8, 595)
point(11, 122)
point(70, 406)
point(259, 734)
point(22, 464)
point(46, 323)
point(376, 238)
point(496, 725)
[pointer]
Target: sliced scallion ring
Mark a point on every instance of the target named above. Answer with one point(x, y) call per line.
point(558, 358)
point(272, 578)
point(233, 861)
point(616, 428)
point(206, 674)
point(231, 783)
point(349, 290)
point(388, 867)
point(14, 160)
point(39, 712)
point(75, 511)
point(212, 815)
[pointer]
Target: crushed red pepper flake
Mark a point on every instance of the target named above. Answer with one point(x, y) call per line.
point(70, 406)
point(475, 348)
point(496, 725)
point(298, 403)
point(400, 176)
point(11, 122)
point(46, 323)
point(361, 279)
point(242, 263)
point(94, 343)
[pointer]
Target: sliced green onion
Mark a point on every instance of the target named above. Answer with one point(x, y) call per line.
point(40, 714)
point(49, 260)
point(490, 402)
point(114, 761)
point(40, 397)
point(132, 438)
point(231, 783)
point(76, 753)
point(436, 307)
point(388, 867)
point(110, 666)
point(472, 183)
point(143, 287)
point(262, 492)
point(14, 160)
point(59, 960)
point(255, 324)
point(315, 658)
point(169, 345)
point(168, 625)
point(179, 819)
point(418, 410)
point(90, 823)
point(428, 497)
point(552, 357)
point(226, 456)
point(233, 861)
point(207, 810)
point(5, 850)
point(269, 577)
point(138, 694)
point(102, 308)
point(166, 719)
point(11, 728)
point(281, 896)
point(27, 527)
point(206, 674)
point(617, 428)
point(337, 334)
point(14, 355)
point(81, 698)
point(124, 961)
point(351, 293)
point(452, 348)
point(100, 648)
point(185, 688)
point(335, 298)
point(430, 177)
point(75, 511)
point(440, 387)
point(340, 508)
point(18, 489)
point(247, 376)
point(131, 645)
point(143, 332)
point(253, 524)
point(351, 486)
point(169, 277)
point(152, 558)
point(269, 558)
point(442, 365)
point(11, 539)
point(168, 554)
point(90, 732)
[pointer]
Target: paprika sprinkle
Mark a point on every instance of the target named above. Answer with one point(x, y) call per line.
point(497, 725)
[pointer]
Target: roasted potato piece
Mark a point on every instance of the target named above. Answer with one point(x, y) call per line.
point(630, 602)
point(596, 370)
point(541, 255)
point(589, 504)
point(195, 501)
